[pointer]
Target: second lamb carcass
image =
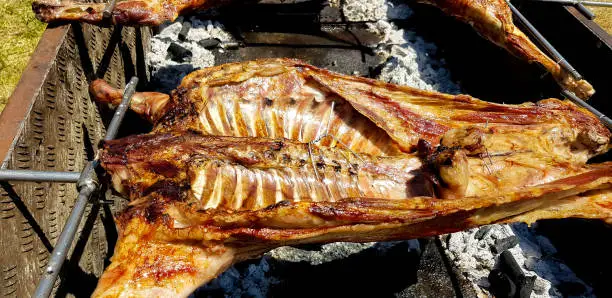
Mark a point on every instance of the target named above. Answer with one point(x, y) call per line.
point(491, 18)
point(247, 157)
point(285, 98)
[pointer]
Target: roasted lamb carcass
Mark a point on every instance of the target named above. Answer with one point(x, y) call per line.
point(492, 19)
point(214, 184)
point(202, 203)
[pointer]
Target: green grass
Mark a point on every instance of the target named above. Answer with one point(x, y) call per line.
point(19, 34)
point(603, 16)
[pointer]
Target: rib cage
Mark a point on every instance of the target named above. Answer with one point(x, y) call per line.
point(254, 173)
point(236, 187)
point(269, 107)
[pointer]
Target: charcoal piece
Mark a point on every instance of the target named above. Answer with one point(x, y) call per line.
point(480, 234)
point(502, 285)
point(178, 53)
point(504, 243)
point(182, 36)
point(508, 264)
point(525, 286)
point(209, 43)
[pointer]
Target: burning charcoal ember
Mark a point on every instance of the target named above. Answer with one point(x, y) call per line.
point(501, 284)
point(482, 232)
point(209, 43)
point(182, 36)
point(504, 244)
point(178, 53)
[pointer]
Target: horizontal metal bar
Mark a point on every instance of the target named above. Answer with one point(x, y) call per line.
point(87, 186)
point(38, 176)
point(542, 41)
point(576, 2)
point(575, 99)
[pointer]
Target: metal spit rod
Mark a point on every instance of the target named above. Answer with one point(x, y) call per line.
point(86, 185)
point(547, 46)
point(578, 2)
point(38, 176)
point(605, 119)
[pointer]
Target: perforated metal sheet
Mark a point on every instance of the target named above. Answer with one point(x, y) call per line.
point(60, 131)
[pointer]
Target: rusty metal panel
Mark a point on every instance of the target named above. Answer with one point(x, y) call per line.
point(52, 124)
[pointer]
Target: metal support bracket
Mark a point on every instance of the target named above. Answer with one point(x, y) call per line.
point(86, 185)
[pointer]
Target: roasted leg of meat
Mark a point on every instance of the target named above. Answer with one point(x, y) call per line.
point(202, 203)
point(492, 19)
point(247, 157)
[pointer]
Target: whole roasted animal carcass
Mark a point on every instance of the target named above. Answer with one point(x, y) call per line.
point(490, 18)
point(247, 157)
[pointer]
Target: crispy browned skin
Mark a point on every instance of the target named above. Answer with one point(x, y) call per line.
point(493, 20)
point(231, 171)
point(290, 99)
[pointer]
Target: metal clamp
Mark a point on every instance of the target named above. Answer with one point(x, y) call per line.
point(107, 13)
point(87, 185)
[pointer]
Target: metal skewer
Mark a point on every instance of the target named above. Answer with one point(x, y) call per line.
point(547, 46)
point(579, 2)
point(605, 119)
point(86, 185)
point(38, 176)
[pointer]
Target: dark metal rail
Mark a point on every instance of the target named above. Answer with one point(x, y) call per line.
point(579, 2)
point(86, 185)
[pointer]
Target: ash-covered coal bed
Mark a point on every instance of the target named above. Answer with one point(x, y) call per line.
point(405, 59)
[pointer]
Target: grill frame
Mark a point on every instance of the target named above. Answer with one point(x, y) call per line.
point(51, 123)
